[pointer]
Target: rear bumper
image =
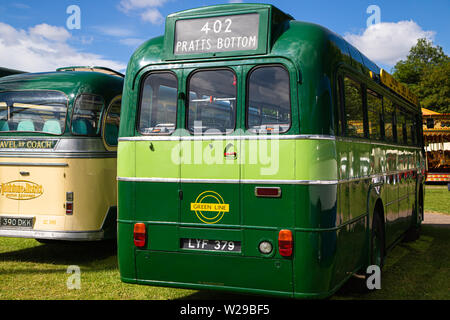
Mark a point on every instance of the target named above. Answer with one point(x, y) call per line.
point(53, 235)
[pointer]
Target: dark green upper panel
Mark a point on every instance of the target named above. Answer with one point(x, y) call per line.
point(304, 43)
point(70, 83)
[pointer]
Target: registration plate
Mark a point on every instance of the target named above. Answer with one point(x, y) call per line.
point(211, 245)
point(16, 223)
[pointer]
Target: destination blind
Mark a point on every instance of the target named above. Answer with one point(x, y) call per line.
point(217, 34)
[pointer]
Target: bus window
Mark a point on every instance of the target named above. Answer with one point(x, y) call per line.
point(374, 112)
point(86, 115)
point(411, 130)
point(33, 111)
point(388, 120)
point(158, 110)
point(401, 127)
point(112, 121)
point(212, 102)
point(353, 108)
point(269, 106)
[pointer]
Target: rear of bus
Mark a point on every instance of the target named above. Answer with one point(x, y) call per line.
point(57, 179)
point(210, 181)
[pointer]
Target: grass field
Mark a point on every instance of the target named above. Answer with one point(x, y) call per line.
point(30, 270)
point(437, 199)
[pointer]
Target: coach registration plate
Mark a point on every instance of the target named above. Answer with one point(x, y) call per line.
point(211, 245)
point(16, 223)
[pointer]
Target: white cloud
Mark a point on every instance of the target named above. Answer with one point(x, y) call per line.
point(44, 48)
point(114, 31)
point(153, 16)
point(127, 5)
point(50, 32)
point(235, 1)
point(146, 8)
point(388, 42)
point(132, 42)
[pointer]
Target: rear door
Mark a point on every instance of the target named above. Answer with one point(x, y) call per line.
point(210, 170)
point(43, 195)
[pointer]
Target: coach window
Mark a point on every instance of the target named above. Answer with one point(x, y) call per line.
point(86, 115)
point(354, 113)
point(268, 104)
point(158, 107)
point(374, 114)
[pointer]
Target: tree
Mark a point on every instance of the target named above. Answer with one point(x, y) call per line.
point(426, 71)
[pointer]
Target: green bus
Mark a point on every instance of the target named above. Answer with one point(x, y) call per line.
point(263, 155)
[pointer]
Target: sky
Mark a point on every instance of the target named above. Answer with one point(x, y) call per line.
point(42, 35)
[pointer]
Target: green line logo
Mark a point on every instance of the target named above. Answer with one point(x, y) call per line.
point(210, 207)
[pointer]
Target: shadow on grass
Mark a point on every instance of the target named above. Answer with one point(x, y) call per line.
point(64, 253)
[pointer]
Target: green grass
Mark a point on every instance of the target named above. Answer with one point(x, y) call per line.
point(418, 270)
point(437, 199)
point(30, 270)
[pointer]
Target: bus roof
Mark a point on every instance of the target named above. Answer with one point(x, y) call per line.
point(311, 47)
point(92, 69)
point(7, 72)
point(70, 82)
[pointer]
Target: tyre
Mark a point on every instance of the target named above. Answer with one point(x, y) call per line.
point(377, 250)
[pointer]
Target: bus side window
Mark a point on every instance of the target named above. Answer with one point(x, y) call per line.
point(401, 127)
point(354, 114)
point(340, 107)
point(374, 114)
point(410, 128)
point(269, 105)
point(388, 120)
point(86, 115)
point(112, 122)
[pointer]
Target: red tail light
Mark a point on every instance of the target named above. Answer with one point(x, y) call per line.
point(69, 208)
point(139, 235)
point(264, 192)
point(285, 243)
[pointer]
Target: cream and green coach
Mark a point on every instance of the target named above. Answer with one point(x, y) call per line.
point(58, 154)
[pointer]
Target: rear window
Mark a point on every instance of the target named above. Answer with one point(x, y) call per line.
point(269, 106)
point(212, 102)
point(158, 109)
point(33, 111)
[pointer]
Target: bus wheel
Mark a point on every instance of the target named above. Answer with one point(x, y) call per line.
point(377, 242)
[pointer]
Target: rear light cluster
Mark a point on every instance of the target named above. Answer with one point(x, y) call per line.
point(69, 203)
point(268, 192)
point(285, 243)
point(139, 235)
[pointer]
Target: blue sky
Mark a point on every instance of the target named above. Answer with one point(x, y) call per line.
point(36, 37)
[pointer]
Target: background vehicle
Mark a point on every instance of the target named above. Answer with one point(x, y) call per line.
point(436, 132)
point(7, 72)
point(290, 163)
point(58, 141)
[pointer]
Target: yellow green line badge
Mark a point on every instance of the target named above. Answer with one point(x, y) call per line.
point(210, 207)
